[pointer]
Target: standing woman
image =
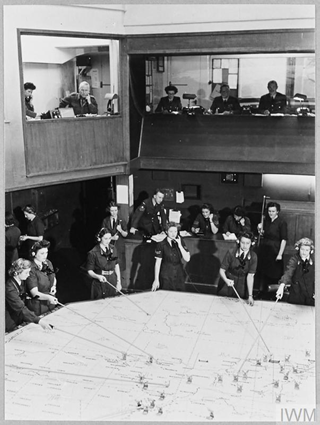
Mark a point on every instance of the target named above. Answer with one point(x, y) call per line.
point(300, 275)
point(35, 228)
point(118, 229)
point(274, 239)
point(16, 310)
point(168, 271)
point(103, 267)
point(42, 282)
point(12, 239)
point(238, 269)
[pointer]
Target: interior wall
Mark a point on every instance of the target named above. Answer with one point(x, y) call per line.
point(46, 96)
point(38, 17)
point(226, 195)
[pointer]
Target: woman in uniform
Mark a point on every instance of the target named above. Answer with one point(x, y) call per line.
point(238, 269)
point(103, 267)
point(169, 272)
point(42, 282)
point(207, 222)
point(274, 238)
point(35, 228)
point(12, 239)
point(300, 275)
point(16, 310)
point(118, 229)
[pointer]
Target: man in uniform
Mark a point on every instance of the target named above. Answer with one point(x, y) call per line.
point(272, 102)
point(150, 216)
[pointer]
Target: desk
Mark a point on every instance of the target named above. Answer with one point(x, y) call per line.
point(188, 360)
point(261, 144)
point(202, 269)
point(70, 144)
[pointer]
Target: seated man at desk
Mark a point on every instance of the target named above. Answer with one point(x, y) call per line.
point(272, 102)
point(82, 103)
point(170, 103)
point(150, 217)
point(225, 104)
point(206, 223)
point(28, 90)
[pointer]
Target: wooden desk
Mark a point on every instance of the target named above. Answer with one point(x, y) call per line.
point(70, 144)
point(202, 270)
point(234, 143)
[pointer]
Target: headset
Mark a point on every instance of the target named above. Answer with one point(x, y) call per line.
point(30, 209)
point(103, 231)
point(173, 224)
point(306, 242)
point(248, 235)
point(39, 245)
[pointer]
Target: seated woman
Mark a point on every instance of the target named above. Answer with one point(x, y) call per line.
point(300, 275)
point(238, 269)
point(168, 270)
point(42, 282)
point(16, 310)
point(207, 222)
point(237, 222)
point(170, 103)
point(103, 267)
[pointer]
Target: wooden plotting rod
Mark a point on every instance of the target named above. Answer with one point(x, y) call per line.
point(265, 322)
point(241, 301)
point(120, 292)
point(108, 330)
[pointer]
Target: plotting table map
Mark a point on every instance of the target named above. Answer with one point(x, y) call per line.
point(162, 356)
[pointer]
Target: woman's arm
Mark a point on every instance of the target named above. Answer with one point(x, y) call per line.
point(229, 282)
point(281, 250)
point(117, 272)
point(250, 278)
point(213, 224)
point(41, 296)
point(99, 277)
point(185, 254)
point(32, 238)
point(156, 282)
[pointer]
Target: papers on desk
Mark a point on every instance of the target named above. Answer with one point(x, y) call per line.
point(185, 234)
point(159, 238)
point(231, 237)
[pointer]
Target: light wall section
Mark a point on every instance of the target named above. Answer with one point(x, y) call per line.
point(46, 18)
point(159, 18)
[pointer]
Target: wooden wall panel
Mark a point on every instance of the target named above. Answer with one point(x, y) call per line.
point(229, 143)
point(54, 146)
point(291, 40)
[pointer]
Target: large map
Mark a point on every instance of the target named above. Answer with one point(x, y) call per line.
point(163, 356)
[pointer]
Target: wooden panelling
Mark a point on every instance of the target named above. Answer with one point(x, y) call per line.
point(229, 143)
point(267, 41)
point(65, 145)
point(300, 217)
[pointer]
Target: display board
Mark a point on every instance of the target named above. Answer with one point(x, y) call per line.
point(163, 356)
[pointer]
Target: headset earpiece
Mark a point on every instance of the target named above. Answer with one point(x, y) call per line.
point(33, 253)
point(98, 239)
